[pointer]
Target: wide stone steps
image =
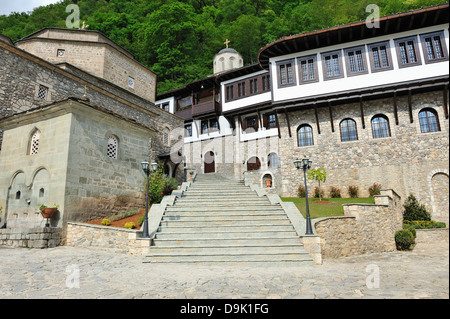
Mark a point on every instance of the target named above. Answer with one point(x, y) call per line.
point(231, 249)
point(172, 212)
point(225, 235)
point(248, 226)
point(218, 221)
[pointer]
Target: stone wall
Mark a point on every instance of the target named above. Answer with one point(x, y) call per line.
point(94, 53)
point(363, 229)
point(406, 161)
point(37, 237)
point(98, 186)
point(432, 236)
point(113, 239)
point(22, 73)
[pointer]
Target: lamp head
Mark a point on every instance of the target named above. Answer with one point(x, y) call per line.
point(145, 166)
point(297, 163)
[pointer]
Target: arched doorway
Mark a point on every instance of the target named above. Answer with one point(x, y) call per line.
point(440, 189)
point(209, 160)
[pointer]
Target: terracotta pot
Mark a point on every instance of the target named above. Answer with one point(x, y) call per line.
point(268, 183)
point(48, 212)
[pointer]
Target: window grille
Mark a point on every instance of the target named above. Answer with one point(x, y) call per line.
point(43, 92)
point(113, 147)
point(34, 143)
point(166, 137)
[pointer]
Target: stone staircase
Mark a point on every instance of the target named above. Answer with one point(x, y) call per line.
point(220, 221)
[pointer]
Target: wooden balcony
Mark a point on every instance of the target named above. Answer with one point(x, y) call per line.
point(210, 107)
point(185, 114)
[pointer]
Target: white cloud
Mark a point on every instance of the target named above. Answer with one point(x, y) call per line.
point(9, 6)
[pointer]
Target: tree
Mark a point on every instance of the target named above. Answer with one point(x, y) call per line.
point(414, 210)
point(319, 175)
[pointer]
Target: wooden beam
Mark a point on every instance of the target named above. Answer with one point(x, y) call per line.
point(278, 124)
point(317, 118)
point(445, 101)
point(411, 118)
point(362, 112)
point(331, 117)
point(395, 108)
point(288, 123)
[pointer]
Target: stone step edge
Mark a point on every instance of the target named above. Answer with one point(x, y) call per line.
point(268, 254)
point(162, 240)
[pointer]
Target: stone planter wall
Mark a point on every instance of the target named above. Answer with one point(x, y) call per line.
point(363, 229)
point(36, 237)
point(114, 239)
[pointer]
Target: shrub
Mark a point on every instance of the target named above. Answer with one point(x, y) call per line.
point(123, 215)
point(140, 220)
point(335, 192)
point(106, 222)
point(318, 193)
point(411, 229)
point(424, 224)
point(374, 189)
point(414, 210)
point(169, 184)
point(404, 239)
point(301, 191)
point(159, 185)
point(353, 191)
point(130, 225)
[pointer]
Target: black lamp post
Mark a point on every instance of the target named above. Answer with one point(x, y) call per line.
point(305, 164)
point(146, 168)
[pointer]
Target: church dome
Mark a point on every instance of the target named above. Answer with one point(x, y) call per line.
point(227, 50)
point(227, 59)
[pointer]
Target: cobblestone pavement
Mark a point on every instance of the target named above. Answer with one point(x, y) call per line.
point(66, 272)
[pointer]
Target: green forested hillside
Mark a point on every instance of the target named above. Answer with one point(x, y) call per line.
point(178, 39)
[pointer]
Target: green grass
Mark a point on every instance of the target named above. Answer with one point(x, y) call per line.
point(333, 207)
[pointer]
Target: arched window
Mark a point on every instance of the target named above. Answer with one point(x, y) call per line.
point(113, 147)
point(429, 121)
point(253, 164)
point(18, 195)
point(305, 135)
point(272, 160)
point(348, 130)
point(380, 126)
point(166, 137)
point(34, 142)
point(231, 62)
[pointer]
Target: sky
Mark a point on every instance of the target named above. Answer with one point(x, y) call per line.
point(8, 6)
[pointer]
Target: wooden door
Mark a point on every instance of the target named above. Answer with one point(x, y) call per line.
point(210, 165)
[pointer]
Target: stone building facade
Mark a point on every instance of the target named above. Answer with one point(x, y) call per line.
point(348, 98)
point(77, 110)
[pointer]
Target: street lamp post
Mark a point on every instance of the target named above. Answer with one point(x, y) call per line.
point(146, 168)
point(305, 164)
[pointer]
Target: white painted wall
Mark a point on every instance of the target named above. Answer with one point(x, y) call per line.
point(361, 81)
point(170, 100)
point(246, 101)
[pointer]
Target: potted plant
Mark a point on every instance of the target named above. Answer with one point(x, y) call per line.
point(48, 212)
